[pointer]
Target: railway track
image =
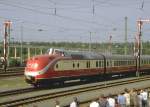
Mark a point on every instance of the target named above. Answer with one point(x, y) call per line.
point(12, 72)
point(17, 91)
point(71, 92)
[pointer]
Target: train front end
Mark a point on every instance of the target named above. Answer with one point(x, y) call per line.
point(37, 68)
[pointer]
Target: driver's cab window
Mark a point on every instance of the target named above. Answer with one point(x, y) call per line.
point(52, 51)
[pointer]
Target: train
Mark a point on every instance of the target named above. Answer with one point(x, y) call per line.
point(59, 66)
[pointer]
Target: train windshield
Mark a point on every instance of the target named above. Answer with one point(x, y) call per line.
point(53, 51)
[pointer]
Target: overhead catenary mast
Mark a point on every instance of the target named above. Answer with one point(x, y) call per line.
point(6, 43)
point(139, 34)
point(126, 41)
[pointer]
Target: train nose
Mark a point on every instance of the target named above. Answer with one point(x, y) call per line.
point(32, 65)
point(37, 63)
point(30, 79)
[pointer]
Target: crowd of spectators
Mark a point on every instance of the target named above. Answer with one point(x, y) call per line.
point(127, 98)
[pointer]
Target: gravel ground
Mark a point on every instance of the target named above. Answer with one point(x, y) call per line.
point(18, 82)
point(65, 100)
point(12, 83)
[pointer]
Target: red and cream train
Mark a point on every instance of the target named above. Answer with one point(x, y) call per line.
point(59, 65)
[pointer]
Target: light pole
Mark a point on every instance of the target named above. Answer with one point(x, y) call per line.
point(21, 54)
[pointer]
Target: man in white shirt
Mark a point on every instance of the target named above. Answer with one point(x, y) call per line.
point(94, 104)
point(127, 96)
point(74, 103)
point(144, 96)
point(111, 101)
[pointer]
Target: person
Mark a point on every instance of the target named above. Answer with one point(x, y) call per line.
point(122, 100)
point(94, 103)
point(139, 99)
point(102, 101)
point(133, 95)
point(111, 101)
point(57, 103)
point(127, 97)
point(144, 96)
point(116, 102)
point(74, 103)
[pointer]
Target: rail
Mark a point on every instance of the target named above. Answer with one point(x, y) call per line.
point(12, 72)
point(42, 97)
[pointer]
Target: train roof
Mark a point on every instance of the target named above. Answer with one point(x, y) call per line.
point(117, 56)
point(145, 56)
point(89, 55)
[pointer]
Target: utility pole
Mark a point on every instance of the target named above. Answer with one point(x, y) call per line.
point(126, 42)
point(55, 9)
point(93, 8)
point(21, 52)
point(110, 44)
point(6, 43)
point(139, 27)
point(90, 42)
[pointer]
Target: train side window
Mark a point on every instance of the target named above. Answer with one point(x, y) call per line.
point(87, 64)
point(125, 62)
point(115, 63)
point(128, 62)
point(108, 63)
point(99, 63)
point(73, 65)
point(56, 65)
point(112, 63)
point(131, 62)
point(102, 64)
point(96, 63)
point(119, 63)
point(78, 65)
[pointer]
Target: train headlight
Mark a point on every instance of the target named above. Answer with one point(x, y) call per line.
point(35, 65)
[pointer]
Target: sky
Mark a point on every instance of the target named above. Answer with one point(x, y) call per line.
point(74, 20)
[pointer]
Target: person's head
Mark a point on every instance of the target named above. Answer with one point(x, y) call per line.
point(141, 90)
point(110, 95)
point(122, 93)
point(138, 92)
point(102, 95)
point(75, 99)
point(126, 90)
